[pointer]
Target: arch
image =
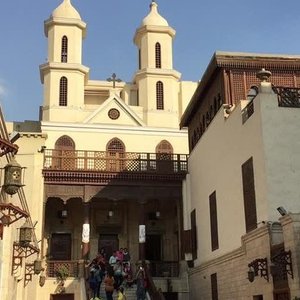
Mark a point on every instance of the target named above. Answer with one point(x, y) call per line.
point(63, 91)
point(159, 95)
point(64, 155)
point(64, 49)
point(64, 143)
point(164, 147)
point(115, 145)
point(164, 156)
point(115, 149)
point(157, 55)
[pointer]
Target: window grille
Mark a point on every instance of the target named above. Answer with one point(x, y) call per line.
point(63, 91)
point(159, 95)
point(115, 145)
point(164, 147)
point(65, 143)
point(64, 49)
point(157, 55)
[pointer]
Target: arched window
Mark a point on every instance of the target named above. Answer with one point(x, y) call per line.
point(157, 55)
point(65, 143)
point(140, 59)
point(63, 91)
point(64, 49)
point(164, 147)
point(159, 95)
point(115, 155)
point(64, 155)
point(164, 155)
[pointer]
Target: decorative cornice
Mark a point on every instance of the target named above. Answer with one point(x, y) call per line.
point(98, 178)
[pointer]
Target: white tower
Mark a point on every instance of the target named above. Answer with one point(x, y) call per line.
point(63, 75)
point(156, 80)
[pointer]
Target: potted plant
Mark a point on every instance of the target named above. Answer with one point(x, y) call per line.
point(62, 274)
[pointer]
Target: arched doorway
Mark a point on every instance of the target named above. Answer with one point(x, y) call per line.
point(115, 155)
point(64, 153)
point(164, 153)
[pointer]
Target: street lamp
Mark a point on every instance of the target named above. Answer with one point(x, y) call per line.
point(25, 233)
point(12, 177)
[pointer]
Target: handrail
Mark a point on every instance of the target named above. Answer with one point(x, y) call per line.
point(153, 291)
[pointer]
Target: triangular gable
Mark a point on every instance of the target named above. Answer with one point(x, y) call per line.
point(127, 115)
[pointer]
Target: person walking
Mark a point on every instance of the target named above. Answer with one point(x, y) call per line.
point(109, 284)
point(140, 285)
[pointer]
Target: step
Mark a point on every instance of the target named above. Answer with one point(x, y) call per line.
point(129, 292)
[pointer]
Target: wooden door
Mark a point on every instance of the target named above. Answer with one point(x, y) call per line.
point(164, 155)
point(115, 155)
point(153, 247)
point(62, 297)
point(109, 242)
point(60, 246)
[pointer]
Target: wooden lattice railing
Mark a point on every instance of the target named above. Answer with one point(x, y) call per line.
point(70, 268)
point(247, 112)
point(103, 161)
point(287, 96)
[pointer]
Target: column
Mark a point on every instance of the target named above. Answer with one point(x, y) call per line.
point(142, 231)
point(86, 231)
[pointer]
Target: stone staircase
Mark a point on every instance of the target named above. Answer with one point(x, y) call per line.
point(129, 292)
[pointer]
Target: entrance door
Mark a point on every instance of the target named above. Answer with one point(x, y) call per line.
point(60, 246)
point(62, 297)
point(109, 242)
point(153, 247)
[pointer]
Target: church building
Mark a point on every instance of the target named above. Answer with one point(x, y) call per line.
point(105, 163)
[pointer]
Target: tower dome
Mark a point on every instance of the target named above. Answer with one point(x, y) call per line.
point(154, 18)
point(66, 10)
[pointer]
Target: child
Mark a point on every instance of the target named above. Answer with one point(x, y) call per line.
point(121, 295)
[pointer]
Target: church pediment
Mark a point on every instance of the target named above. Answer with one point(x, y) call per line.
point(114, 111)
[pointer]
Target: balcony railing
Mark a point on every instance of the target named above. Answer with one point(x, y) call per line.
point(288, 97)
point(102, 161)
point(247, 112)
point(71, 268)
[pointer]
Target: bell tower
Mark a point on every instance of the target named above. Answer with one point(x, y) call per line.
point(156, 80)
point(63, 75)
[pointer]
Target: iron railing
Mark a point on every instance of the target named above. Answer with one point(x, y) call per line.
point(103, 161)
point(69, 267)
point(287, 96)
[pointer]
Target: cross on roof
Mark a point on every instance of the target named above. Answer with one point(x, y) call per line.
point(114, 79)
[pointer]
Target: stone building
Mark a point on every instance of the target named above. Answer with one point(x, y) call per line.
point(241, 203)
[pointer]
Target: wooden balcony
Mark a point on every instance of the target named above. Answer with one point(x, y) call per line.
point(97, 165)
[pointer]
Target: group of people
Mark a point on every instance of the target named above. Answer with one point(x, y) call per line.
point(115, 272)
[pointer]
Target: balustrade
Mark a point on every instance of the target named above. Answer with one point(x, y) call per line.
point(67, 160)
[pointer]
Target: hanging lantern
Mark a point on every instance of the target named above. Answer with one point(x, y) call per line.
point(37, 266)
point(42, 280)
point(25, 233)
point(12, 177)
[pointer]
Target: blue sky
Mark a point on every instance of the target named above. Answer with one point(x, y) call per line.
point(203, 27)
